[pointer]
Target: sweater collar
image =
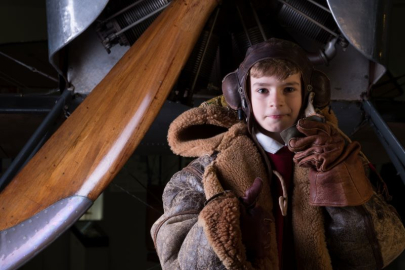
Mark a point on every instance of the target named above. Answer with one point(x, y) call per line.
point(269, 144)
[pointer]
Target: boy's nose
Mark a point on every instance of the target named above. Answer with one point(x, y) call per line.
point(276, 99)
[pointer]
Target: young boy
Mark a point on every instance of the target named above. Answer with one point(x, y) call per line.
point(242, 204)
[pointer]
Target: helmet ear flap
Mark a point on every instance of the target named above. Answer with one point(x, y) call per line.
point(234, 95)
point(321, 86)
point(230, 86)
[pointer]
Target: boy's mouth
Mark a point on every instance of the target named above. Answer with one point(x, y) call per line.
point(276, 116)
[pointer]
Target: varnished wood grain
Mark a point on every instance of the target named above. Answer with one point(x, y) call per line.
point(88, 150)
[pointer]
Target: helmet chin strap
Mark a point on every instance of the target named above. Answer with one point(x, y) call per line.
point(310, 110)
point(246, 105)
point(243, 103)
point(240, 114)
point(307, 103)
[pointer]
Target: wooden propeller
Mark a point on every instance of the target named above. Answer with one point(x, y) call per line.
point(92, 145)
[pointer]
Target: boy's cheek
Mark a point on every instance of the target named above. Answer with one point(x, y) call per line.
point(297, 117)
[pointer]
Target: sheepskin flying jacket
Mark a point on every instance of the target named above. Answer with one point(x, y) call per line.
point(194, 234)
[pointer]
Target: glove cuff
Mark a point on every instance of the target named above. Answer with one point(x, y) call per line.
point(220, 220)
point(344, 185)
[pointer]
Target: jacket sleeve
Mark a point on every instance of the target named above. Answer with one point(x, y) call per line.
point(179, 240)
point(368, 236)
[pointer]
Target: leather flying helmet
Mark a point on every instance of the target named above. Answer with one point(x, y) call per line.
point(235, 84)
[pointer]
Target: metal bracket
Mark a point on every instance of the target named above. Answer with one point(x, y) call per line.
point(393, 147)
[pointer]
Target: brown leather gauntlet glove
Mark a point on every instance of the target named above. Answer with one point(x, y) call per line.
point(337, 176)
point(254, 223)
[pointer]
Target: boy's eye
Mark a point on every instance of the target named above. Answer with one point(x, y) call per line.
point(289, 89)
point(261, 90)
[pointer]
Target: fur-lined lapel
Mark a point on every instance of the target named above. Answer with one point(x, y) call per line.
point(199, 131)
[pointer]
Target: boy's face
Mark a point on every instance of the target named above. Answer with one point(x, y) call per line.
point(276, 104)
